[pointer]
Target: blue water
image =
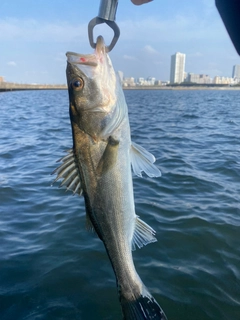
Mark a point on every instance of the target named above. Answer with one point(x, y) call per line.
point(51, 268)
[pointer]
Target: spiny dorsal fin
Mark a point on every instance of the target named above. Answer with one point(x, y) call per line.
point(142, 160)
point(143, 234)
point(68, 171)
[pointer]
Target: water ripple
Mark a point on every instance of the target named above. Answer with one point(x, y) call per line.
point(52, 268)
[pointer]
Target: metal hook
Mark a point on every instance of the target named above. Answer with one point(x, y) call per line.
point(106, 14)
point(112, 25)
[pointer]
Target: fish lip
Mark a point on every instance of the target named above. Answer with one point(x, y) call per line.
point(100, 46)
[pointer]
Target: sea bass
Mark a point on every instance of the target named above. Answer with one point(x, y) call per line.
point(99, 167)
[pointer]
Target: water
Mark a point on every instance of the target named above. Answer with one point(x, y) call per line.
point(51, 268)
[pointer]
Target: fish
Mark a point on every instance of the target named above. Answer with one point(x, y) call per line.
point(99, 167)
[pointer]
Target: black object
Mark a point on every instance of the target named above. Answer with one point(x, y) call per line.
point(230, 13)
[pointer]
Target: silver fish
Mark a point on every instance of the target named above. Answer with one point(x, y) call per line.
point(99, 167)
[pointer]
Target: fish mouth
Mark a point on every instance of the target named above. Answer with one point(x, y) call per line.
point(89, 64)
point(82, 59)
point(91, 60)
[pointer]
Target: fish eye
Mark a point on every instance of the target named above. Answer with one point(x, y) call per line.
point(77, 84)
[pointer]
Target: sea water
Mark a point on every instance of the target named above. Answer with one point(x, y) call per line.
point(51, 268)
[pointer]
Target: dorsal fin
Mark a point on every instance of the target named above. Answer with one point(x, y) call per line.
point(68, 171)
point(142, 160)
point(143, 234)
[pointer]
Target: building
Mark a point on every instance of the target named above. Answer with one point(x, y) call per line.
point(198, 78)
point(141, 81)
point(192, 77)
point(223, 80)
point(129, 82)
point(120, 75)
point(151, 81)
point(204, 79)
point(177, 68)
point(236, 71)
point(1, 79)
point(158, 83)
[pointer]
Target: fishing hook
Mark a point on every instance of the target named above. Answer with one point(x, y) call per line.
point(106, 14)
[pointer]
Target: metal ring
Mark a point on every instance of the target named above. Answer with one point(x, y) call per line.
point(112, 24)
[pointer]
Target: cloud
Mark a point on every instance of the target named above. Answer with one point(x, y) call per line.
point(156, 29)
point(149, 49)
point(195, 54)
point(127, 57)
point(212, 72)
point(33, 31)
point(12, 63)
point(179, 28)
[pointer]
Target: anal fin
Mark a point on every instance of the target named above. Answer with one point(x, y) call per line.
point(143, 234)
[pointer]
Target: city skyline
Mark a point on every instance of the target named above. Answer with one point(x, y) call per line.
point(179, 75)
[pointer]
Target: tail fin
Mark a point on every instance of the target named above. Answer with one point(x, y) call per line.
point(144, 307)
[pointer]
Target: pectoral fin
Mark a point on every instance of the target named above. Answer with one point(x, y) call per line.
point(109, 156)
point(68, 171)
point(142, 160)
point(143, 234)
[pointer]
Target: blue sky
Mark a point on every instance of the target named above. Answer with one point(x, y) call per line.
point(35, 35)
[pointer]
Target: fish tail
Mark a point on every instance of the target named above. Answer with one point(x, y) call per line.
point(145, 307)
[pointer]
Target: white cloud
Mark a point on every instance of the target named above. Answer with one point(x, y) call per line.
point(149, 49)
point(195, 54)
point(172, 30)
point(178, 28)
point(212, 72)
point(32, 30)
point(126, 57)
point(12, 63)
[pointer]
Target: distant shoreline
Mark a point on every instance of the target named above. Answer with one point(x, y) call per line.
point(181, 88)
point(8, 86)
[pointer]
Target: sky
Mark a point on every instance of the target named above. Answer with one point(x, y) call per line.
point(35, 35)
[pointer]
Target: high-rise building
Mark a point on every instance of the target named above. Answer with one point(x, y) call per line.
point(120, 75)
point(236, 71)
point(177, 67)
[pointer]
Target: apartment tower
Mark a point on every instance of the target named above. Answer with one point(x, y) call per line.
point(177, 67)
point(236, 71)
